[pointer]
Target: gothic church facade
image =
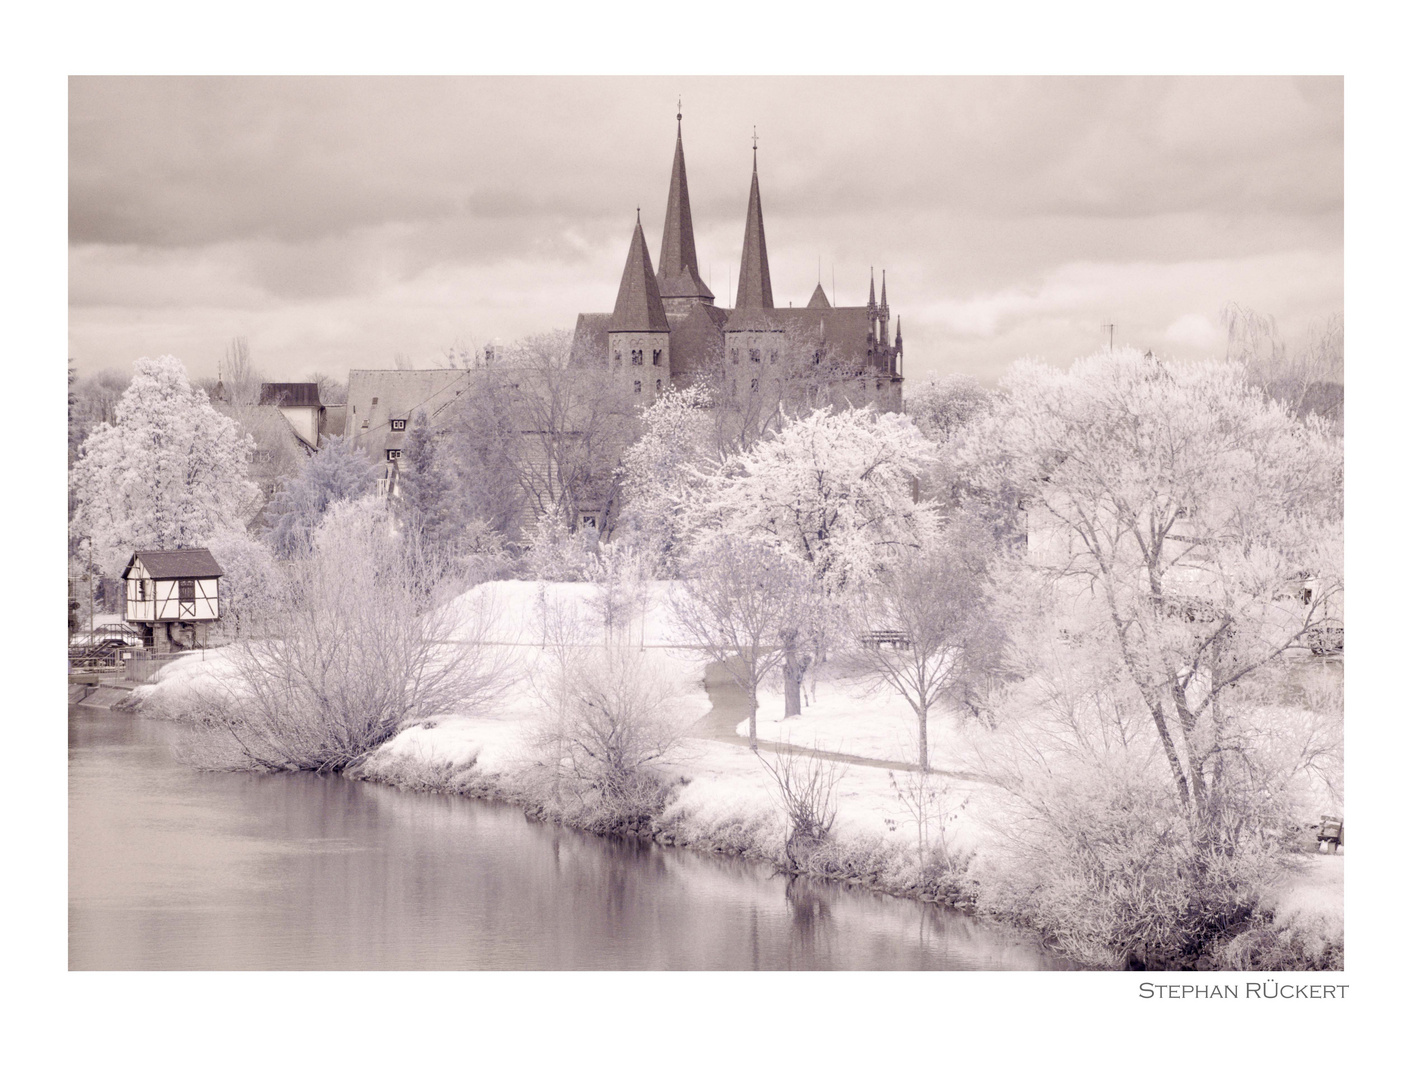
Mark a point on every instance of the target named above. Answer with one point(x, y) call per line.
point(666, 328)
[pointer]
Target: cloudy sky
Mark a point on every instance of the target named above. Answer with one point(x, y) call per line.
point(338, 223)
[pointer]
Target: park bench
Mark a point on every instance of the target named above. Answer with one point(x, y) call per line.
point(876, 639)
point(1330, 832)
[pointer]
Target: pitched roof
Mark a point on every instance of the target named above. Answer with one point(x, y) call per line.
point(184, 563)
point(818, 300)
point(677, 272)
point(291, 394)
point(753, 291)
point(639, 305)
point(375, 397)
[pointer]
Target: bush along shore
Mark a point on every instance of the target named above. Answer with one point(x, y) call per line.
point(657, 814)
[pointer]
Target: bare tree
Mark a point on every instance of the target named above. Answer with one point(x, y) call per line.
point(743, 603)
point(931, 606)
point(612, 715)
point(806, 787)
point(362, 641)
point(559, 426)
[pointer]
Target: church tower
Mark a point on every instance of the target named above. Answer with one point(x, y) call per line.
point(678, 277)
point(639, 339)
point(753, 335)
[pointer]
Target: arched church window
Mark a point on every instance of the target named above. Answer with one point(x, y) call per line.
point(735, 356)
point(754, 386)
point(637, 386)
point(637, 357)
point(656, 357)
point(754, 356)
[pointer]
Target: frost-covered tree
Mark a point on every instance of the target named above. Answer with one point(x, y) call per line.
point(834, 489)
point(251, 587)
point(746, 603)
point(940, 407)
point(169, 472)
point(936, 599)
point(1202, 520)
point(658, 473)
point(425, 487)
point(337, 473)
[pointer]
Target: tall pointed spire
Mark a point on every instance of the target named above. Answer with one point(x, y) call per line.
point(639, 305)
point(677, 272)
point(872, 296)
point(883, 303)
point(754, 288)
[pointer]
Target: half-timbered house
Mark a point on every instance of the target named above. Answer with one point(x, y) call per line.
point(173, 595)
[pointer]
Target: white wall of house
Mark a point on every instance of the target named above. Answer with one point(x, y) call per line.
point(304, 419)
point(150, 600)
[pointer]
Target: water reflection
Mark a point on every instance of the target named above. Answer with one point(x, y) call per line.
point(175, 869)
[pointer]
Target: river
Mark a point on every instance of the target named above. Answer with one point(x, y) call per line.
point(174, 869)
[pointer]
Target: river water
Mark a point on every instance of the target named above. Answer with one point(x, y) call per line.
point(174, 869)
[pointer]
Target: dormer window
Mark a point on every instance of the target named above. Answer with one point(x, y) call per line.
point(399, 425)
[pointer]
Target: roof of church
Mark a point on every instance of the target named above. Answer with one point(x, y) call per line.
point(819, 300)
point(639, 305)
point(753, 290)
point(677, 272)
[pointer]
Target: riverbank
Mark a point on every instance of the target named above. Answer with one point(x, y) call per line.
point(896, 831)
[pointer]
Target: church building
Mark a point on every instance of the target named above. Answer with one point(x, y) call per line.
point(667, 329)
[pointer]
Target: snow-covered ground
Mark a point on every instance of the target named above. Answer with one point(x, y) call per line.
point(723, 781)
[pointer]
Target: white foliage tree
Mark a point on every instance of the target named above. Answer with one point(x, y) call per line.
point(834, 489)
point(656, 470)
point(1201, 520)
point(170, 471)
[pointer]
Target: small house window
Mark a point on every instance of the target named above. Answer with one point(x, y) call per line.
point(399, 425)
point(754, 386)
point(656, 357)
point(375, 401)
point(637, 357)
point(588, 521)
point(393, 455)
point(186, 590)
point(637, 386)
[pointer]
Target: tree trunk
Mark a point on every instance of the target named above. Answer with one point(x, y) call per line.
point(922, 739)
point(794, 668)
point(753, 706)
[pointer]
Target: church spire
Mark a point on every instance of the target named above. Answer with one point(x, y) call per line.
point(872, 296)
point(754, 288)
point(677, 272)
point(639, 305)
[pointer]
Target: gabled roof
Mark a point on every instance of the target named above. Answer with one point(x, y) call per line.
point(818, 300)
point(183, 563)
point(639, 305)
point(291, 394)
point(677, 272)
point(379, 396)
point(753, 291)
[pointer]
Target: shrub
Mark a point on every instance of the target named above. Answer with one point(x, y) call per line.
point(361, 643)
